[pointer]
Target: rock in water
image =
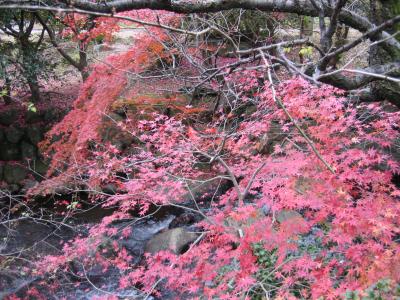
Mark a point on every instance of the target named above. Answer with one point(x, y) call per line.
point(174, 240)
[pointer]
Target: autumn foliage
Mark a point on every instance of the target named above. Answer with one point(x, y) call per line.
point(343, 238)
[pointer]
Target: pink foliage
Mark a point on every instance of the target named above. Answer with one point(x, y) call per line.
point(356, 201)
point(351, 215)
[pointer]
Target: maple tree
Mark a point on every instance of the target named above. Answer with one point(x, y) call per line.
point(82, 29)
point(344, 239)
point(350, 217)
point(295, 148)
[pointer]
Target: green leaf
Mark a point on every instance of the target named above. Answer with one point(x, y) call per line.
point(32, 107)
point(287, 49)
point(72, 205)
point(306, 51)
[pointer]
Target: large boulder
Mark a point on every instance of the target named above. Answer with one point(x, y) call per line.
point(14, 134)
point(9, 151)
point(174, 240)
point(14, 174)
point(110, 132)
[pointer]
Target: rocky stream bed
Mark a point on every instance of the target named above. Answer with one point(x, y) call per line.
point(28, 240)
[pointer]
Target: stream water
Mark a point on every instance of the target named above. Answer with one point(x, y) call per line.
point(28, 240)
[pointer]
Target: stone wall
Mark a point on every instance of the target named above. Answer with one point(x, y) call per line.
point(21, 165)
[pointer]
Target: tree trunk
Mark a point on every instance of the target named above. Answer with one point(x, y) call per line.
point(34, 88)
point(31, 76)
point(83, 63)
point(382, 10)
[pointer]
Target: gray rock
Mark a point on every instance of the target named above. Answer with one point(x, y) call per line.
point(28, 151)
point(174, 240)
point(13, 134)
point(14, 173)
point(110, 188)
point(9, 151)
point(7, 117)
point(35, 134)
point(28, 184)
point(266, 209)
point(286, 215)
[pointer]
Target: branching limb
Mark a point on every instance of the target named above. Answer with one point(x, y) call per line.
point(301, 131)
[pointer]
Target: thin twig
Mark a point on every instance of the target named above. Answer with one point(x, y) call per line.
point(303, 134)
